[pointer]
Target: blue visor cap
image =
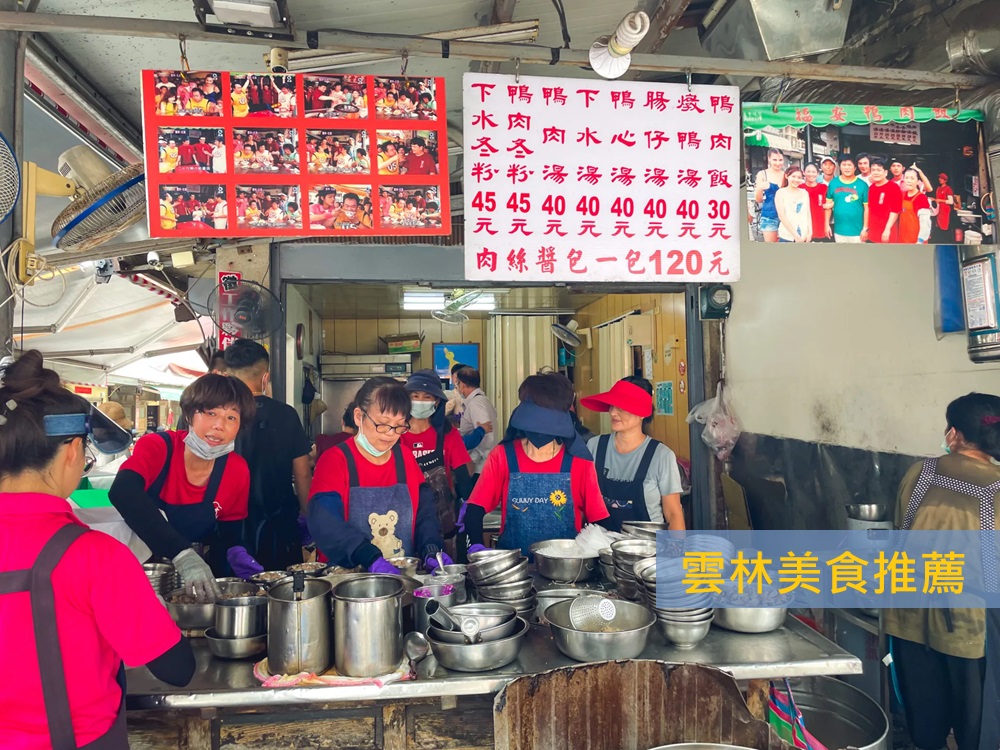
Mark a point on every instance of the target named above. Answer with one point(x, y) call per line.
point(106, 436)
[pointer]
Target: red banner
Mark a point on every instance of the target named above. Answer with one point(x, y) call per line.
point(294, 155)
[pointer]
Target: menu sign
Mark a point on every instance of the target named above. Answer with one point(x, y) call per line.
point(296, 155)
point(573, 179)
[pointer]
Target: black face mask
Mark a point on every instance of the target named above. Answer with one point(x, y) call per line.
point(538, 439)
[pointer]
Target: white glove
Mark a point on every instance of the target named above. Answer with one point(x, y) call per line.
point(198, 577)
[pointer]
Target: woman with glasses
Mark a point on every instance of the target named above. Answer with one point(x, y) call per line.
point(74, 605)
point(195, 479)
point(368, 501)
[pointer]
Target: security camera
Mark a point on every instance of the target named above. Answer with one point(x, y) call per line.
point(153, 260)
point(277, 60)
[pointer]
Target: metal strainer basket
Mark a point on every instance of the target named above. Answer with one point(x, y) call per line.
point(103, 212)
point(591, 613)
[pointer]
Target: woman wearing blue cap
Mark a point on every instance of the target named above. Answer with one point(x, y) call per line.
point(541, 475)
point(439, 450)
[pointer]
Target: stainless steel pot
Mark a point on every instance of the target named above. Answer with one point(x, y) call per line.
point(840, 715)
point(627, 643)
point(699, 746)
point(368, 625)
point(243, 617)
point(553, 560)
point(298, 626)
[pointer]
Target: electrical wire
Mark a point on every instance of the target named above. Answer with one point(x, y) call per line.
point(45, 272)
point(561, 11)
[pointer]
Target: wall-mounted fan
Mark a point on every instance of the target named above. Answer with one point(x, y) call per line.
point(570, 334)
point(245, 309)
point(452, 312)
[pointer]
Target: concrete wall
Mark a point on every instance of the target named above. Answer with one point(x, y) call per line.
point(836, 344)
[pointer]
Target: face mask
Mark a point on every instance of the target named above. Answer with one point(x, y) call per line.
point(422, 409)
point(366, 445)
point(204, 450)
point(538, 439)
point(945, 447)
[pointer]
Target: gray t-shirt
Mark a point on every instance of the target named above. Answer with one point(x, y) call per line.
point(663, 477)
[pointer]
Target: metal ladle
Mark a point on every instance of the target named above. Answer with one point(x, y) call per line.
point(469, 626)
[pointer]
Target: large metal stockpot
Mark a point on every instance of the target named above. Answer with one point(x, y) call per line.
point(298, 626)
point(368, 625)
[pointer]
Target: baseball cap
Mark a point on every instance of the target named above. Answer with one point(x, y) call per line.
point(828, 158)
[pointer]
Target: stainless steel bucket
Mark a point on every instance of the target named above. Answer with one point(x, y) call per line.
point(244, 617)
point(840, 715)
point(298, 626)
point(368, 625)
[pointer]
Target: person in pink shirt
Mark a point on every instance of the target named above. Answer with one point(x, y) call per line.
point(75, 605)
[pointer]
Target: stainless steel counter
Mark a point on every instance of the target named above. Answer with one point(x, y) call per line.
point(794, 650)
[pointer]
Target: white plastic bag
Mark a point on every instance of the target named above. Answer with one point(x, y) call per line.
point(722, 426)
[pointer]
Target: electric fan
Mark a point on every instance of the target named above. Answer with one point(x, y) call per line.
point(245, 309)
point(570, 334)
point(452, 312)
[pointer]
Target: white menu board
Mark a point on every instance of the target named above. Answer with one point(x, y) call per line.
point(593, 180)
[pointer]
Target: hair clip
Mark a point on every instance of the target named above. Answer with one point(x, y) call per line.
point(11, 404)
point(991, 420)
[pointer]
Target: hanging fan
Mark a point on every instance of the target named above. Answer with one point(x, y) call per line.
point(455, 318)
point(10, 180)
point(570, 334)
point(452, 312)
point(245, 309)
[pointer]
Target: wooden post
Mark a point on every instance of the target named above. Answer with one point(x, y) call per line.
point(757, 697)
point(394, 726)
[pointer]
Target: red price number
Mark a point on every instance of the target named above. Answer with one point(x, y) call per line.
point(718, 210)
point(688, 210)
point(485, 201)
point(678, 263)
point(554, 204)
point(589, 206)
point(623, 207)
point(519, 202)
point(656, 209)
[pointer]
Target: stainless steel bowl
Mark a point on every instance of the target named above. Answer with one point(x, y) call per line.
point(496, 633)
point(606, 556)
point(480, 657)
point(269, 578)
point(237, 586)
point(632, 550)
point(507, 591)
point(406, 565)
point(645, 567)
point(488, 614)
point(635, 620)
point(524, 605)
point(751, 619)
point(868, 511)
point(451, 570)
point(516, 573)
point(547, 597)
point(490, 563)
point(235, 648)
point(553, 562)
point(699, 746)
point(684, 635)
point(609, 572)
point(310, 568)
point(643, 529)
point(190, 616)
point(245, 617)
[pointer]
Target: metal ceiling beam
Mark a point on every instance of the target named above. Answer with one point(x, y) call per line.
point(662, 21)
point(490, 52)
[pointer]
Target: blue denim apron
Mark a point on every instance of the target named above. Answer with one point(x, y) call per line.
point(385, 512)
point(195, 521)
point(625, 498)
point(539, 506)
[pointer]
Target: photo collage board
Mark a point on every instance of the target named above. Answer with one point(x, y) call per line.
point(231, 154)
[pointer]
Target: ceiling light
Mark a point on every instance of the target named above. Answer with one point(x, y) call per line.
point(611, 56)
point(305, 61)
point(260, 14)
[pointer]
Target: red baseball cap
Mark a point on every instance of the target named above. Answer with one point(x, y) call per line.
point(626, 396)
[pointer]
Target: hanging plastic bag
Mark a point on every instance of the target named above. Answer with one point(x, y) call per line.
point(722, 426)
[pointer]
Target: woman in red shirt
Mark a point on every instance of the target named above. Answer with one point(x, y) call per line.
point(915, 218)
point(195, 479)
point(89, 607)
point(439, 450)
point(368, 500)
point(541, 475)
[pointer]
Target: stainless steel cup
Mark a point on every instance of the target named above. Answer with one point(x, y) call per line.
point(244, 617)
point(298, 626)
point(368, 625)
point(434, 591)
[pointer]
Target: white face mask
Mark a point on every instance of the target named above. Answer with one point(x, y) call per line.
point(203, 449)
point(366, 445)
point(422, 409)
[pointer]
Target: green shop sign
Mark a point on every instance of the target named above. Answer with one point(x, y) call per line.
point(757, 116)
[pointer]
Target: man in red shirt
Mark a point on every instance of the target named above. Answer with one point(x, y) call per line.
point(817, 202)
point(203, 153)
point(419, 161)
point(186, 151)
point(885, 201)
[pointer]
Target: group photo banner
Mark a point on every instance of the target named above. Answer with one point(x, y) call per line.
point(579, 180)
point(869, 173)
point(230, 154)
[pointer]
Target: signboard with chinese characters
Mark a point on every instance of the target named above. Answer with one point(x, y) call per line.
point(594, 180)
point(228, 281)
point(863, 173)
point(294, 155)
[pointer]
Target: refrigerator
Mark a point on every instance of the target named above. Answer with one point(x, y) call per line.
point(343, 374)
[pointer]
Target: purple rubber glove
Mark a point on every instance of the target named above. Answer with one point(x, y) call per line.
point(381, 565)
point(474, 548)
point(242, 563)
point(431, 562)
point(460, 524)
point(304, 534)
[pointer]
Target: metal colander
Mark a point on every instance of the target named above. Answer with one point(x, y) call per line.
point(591, 613)
point(103, 212)
point(10, 179)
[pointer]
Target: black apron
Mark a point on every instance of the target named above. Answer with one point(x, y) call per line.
point(195, 521)
point(436, 474)
point(37, 581)
point(625, 499)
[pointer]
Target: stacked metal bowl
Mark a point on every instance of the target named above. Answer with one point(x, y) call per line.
point(643, 529)
point(502, 576)
point(563, 560)
point(762, 612)
point(683, 619)
point(625, 554)
point(607, 565)
point(162, 577)
point(501, 634)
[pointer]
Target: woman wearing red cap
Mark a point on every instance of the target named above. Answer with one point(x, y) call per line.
point(638, 476)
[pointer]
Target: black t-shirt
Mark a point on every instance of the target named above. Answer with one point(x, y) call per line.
point(275, 439)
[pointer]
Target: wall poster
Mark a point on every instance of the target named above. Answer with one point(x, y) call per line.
point(577, 179)
point(294, 155)
point(864, 173)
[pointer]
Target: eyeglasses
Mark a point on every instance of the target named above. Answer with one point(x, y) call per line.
point(89, 459)
point(385, 429)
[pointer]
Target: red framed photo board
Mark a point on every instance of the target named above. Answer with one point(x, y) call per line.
point(294, 155)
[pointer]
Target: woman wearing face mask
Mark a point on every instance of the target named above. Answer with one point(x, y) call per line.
point(541, 475)
point(945, 647)
point(638, 476)
point(368, 502)
point(439, 450)
point(195, 480)
point(74, 604)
